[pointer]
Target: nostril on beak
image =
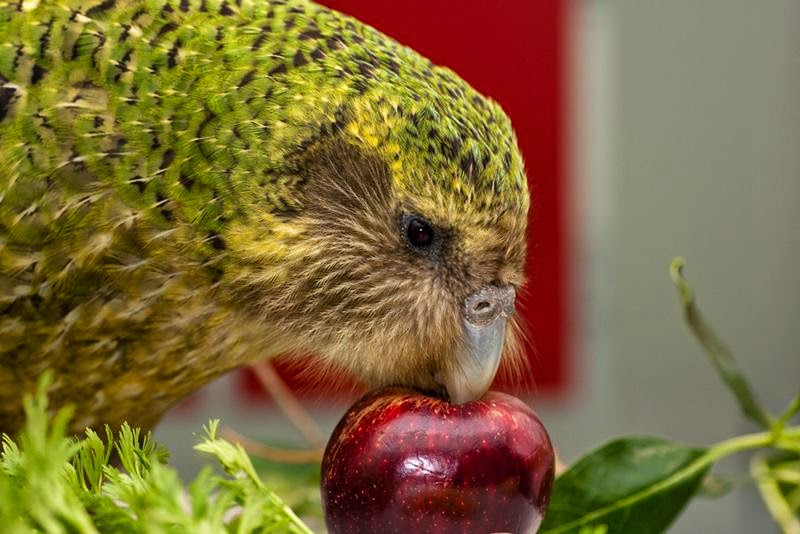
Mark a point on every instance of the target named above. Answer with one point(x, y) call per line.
point(485, 305)
point(482, 305)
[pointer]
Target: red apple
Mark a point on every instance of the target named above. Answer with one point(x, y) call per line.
point(399, 461)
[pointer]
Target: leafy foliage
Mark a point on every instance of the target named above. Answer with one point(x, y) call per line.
point(52, 483)
point(641, 484)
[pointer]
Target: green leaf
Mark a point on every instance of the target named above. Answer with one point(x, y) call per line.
point(93, 455)
point(637, 484)
point(719, 354)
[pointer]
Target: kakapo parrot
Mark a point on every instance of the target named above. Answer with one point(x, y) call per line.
point(187, 186)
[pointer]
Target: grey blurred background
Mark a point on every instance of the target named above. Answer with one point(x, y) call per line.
point(685, 140)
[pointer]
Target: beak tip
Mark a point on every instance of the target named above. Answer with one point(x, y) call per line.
point(477, 362)
point(464, 396)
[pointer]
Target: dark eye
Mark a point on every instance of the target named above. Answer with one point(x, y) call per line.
point(419, 232)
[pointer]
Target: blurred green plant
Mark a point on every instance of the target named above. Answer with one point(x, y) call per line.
point(53, 483)
point(640, 484)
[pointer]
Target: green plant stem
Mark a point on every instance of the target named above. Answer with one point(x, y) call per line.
point(298, 527)
point(777, 505)
point(719, 354)
point(794, 499)
point(788, 440)
point(787, 415)
point(791, 476)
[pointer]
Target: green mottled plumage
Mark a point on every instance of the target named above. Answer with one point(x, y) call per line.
point(161, 218)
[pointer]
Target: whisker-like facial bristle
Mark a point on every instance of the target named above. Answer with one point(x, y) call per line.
point(515, 369)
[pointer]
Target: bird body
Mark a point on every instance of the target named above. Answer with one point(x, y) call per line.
point(189, 185)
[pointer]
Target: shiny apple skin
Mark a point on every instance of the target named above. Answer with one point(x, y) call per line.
point(402, 462)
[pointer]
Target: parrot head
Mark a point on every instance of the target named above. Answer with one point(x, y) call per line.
point(406, 246)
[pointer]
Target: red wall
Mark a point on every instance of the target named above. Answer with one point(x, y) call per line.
point(512, 51)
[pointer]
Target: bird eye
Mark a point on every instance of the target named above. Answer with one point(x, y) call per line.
point(419, 232)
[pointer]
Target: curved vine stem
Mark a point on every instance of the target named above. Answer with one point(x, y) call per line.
point(719, 354)
point(788, 440)
point(776, 503)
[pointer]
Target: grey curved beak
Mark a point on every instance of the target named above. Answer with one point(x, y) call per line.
point(485, 314)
